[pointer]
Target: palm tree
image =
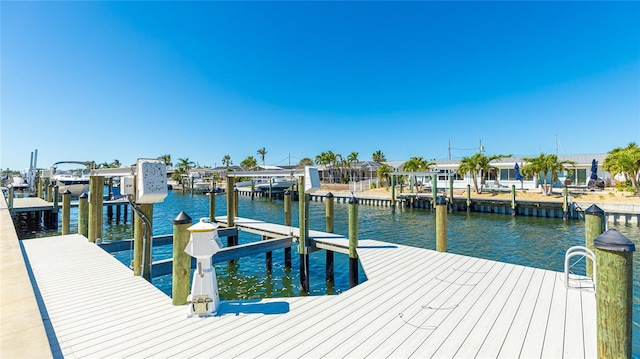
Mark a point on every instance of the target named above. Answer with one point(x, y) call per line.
point(417, 164)
point(115, 164)
point(384, 174)
point(546, 168)
point(351, 159)
point(479, 164)
point(262, 152)
point(183, 167)
point(305, 162)
point(378, 156)
point(226, 160)
point(249, 163)
point(326, 159)
point(625, 161)
point(166, 158)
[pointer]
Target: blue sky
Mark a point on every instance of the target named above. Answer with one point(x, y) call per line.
point(125, 80)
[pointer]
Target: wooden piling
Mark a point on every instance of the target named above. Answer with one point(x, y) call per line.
point(614, 294)
point(56, 207)
point(230, 200)
point(66, 211)
point(118, 213)
point(353, 242)
point(253, 189)
point(11, 196)
point(180, 286)
point(450, 193)
point(565, 203)
point(468, 198)
point(302, 243)
point(441, 224)
point(49, 191)
point(142, 235)
point(434, 188)
point(287, 222)
point(83, 215)
point(212, 205)
point(236, 197)
point(329, 255)
point(593, 227)
point(39, 185)
point(393, 194)
point(96, 185)
point(513, 200)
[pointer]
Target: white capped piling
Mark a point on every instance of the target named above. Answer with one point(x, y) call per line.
point(353, 242)
point(303, 200)
point(96, 186)
point(441, 224)
point(614, 294)
point(593, 227)
point(287, 222)
point(83, 214)
point(468, 198)
point(66, 211)
point(180, 283)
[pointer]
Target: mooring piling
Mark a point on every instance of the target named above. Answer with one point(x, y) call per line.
point(593, 227)
point(287, 222)
point(212, 205)
point(96, 185)
point(142, 228)
point(329, 255)
point(514, 210)
point(614, 294)
point(441, 224)
point(353, 242)
point(66, 211)
point(83, 214)
point(181, 260)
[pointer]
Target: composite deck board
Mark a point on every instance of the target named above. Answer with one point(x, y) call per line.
point(415, 302)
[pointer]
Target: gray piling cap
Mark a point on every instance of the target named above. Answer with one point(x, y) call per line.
point(66, 191)
point(329, 195)
point(594, 210)
point(353, 200)
point(182, 218)
point(84, 195)
point(441, 201)
point(287, 192)
point(612, 240)
point(50, 185)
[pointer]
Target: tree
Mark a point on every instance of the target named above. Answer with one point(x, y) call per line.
point(305, 162)
point(378, 156)
point(625, 161)
point(546, 168)
point(226, 160)
point(262, 152)
point(479, 165)
point(115, 164)
point(182, 168)
point(384, 174)
point(326, 159)
point(417, 164)
point(166, 158)
point(249, 163)
point(351, 159)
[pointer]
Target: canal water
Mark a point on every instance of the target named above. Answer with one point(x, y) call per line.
point(528, 241)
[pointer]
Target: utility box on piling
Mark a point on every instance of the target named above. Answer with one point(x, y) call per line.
point(152, 181)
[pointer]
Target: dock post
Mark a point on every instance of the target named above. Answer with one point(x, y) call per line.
point(593, 227)
point(614, 294)
point(96, 185)
point(287, 222)
point(118, 213)
point(39, 186)
point(10, 199)
point(83, 215)
point(49, 192)
point(109, 212)
point(253, 189)
point(181, 260)
point(329, 216)
point(270, 191)
point(468, 198)
point(236, 197)
point(353, 242)
point(142, 237)
point(514, 210)
point(434, 188)
point(66, 211)
point(212, 205)
point(231, 240)
point(441, 224)
point(302, 242)
point(565, 203)
point(393, 194)
point(450, 193)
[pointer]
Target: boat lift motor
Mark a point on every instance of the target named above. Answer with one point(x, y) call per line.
point(203, 244)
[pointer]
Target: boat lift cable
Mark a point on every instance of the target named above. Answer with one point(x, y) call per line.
point(146, 229)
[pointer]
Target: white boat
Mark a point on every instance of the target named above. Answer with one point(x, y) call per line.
point(277, 184)
point(76, 181)
point(18, 182)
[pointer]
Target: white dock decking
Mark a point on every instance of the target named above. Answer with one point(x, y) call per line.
point(416, 303)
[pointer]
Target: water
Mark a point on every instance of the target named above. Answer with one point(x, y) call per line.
point(529, 241)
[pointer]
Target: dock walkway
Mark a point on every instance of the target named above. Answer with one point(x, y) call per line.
point(415, 303)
